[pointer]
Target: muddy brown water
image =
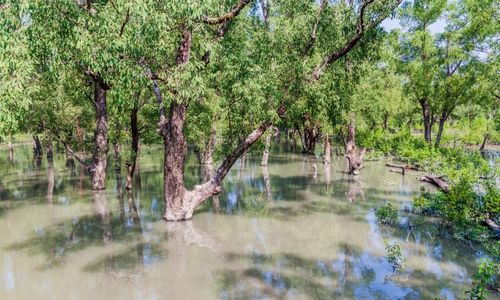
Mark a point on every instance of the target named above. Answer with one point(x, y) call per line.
point(288, 231)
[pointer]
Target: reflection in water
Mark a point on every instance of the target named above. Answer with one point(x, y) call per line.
point(355, 189)
point(308, 243)
point(267, 183)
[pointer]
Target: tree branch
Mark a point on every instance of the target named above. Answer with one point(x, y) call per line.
point(315, 29)
point(125, 21)
point(229, 15)
point(361, 28)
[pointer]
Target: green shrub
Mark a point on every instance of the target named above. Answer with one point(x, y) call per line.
point(395, 256)
point(387, 214)
point(485, 278)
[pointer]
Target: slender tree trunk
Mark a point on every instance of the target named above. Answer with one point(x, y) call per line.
point(267, 183)
point(426, 114)
point(442, 121)
point(117, 148)
point(353, 154)
point(80, 133)
point(327, 153)
point(50, 149)
point(37, 147)
point(267, 145)
point(386, 120)
point(207, 155)
point(10, 147)
point(99, 159)
point(134, 148)
point(294, 139)
point(485, 141)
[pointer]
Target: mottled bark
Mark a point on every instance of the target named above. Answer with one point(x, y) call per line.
point(99, 158)
point(353, 154)
point(134, 148)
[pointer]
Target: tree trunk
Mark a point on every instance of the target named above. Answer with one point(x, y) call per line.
point(37, 147)
point(50, 180)
point(134, 148)
point(485, 141)
point(267, 183)
point(309, 138)
point(353, 154)
point(265, 155)
point(207, 155)
point(327, 155)
point(386, 121)
point(50, 149)
point(99, 159)
point(426, 114)
point(11, 150)
point(442, 120)
point(117, 148)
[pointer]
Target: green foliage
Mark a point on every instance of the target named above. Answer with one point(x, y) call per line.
point(486, 278)
point(387, 214)
point(395, 256)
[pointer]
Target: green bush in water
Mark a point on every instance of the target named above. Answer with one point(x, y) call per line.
point(387, 214)
point(395, 256)
point(486, 278)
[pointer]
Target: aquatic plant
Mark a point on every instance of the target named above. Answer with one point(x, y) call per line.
point(387, 214)
point(395, 256)
point(485, 279)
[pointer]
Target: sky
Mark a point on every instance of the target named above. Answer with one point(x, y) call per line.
point(390, 24)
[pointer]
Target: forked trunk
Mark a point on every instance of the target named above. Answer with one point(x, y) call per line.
point(134, 148)
point(99, 159)
point(327, 155)
point(353, 154)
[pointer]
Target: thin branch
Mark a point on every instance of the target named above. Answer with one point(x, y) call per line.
point(125, 21)
point(229, 15)
point(314, 36)
point(361, 28)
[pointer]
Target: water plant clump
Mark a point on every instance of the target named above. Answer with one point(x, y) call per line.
point(386, 214)
point(395, 256)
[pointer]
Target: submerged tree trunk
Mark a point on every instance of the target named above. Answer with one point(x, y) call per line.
point(442, 121)
point(327, 153)
point(50, 180)
point(353, 154)
point(134, 148)
point(99, 159)
point(426, 114)
point(267, 183)
point(267, 145)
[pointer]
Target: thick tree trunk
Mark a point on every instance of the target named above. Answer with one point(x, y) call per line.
point(134, 148)
point(267, 145)
point(327, 153)
point(426, 114)
point(99, 159)
point(442, 121)
point(353, 154)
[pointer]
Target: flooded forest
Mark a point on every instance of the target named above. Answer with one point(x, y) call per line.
point(249, 149)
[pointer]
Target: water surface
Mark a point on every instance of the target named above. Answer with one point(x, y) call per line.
point(294, 230)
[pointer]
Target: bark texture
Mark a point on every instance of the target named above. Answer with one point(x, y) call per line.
point(327, 152)
point(310, 136)
point(442, 121)
point(353, 154)
point(265, 155)
point(99, 158)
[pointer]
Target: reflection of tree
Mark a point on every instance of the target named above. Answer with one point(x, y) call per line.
point(267, 183)
point(50, 180)
point(355, 189)
point(101, 209)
